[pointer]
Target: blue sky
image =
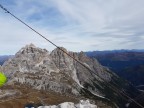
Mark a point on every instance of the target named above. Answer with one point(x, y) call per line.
point(78, 25)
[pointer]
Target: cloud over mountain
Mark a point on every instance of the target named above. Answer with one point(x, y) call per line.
point(95, 24)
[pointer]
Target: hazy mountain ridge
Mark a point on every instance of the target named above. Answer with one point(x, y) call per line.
point(121, 55)
point(134, 74)
point(126, 63)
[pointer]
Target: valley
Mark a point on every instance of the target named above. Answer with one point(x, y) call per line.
point(128, 64)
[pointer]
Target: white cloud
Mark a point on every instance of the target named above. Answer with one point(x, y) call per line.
point(76, 25)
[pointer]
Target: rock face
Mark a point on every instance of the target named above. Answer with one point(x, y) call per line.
point(57, 72)
point(34, 66)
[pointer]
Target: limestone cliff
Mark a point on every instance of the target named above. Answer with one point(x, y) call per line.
point(58, 72)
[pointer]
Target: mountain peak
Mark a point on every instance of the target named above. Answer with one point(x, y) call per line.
point(31, 45)
point(30, 49)
point(60, 49)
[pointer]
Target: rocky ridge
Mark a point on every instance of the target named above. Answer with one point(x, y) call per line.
point(57, 72)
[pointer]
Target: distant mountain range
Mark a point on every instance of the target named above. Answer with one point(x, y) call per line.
point(128, 64)
point(4, 58)
point(114, 51)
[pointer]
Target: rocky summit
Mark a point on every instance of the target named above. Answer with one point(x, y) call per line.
point(53, 71)
point(39, 70)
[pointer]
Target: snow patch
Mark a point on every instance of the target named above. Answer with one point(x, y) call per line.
point(81, 104)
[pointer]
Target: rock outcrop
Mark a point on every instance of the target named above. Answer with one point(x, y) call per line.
point(81, 104)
